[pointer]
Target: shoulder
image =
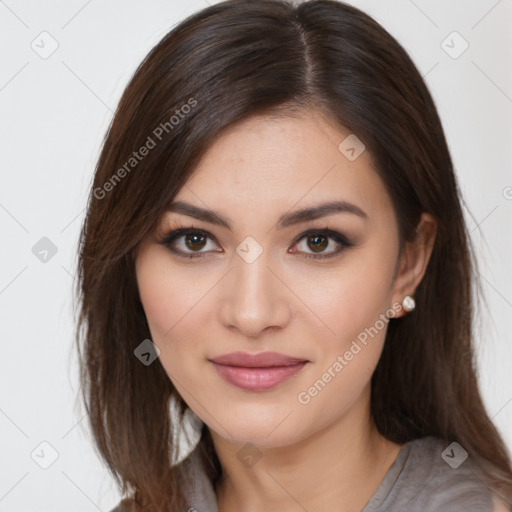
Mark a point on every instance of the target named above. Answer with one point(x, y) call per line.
point(450, 478)
point(433, 475)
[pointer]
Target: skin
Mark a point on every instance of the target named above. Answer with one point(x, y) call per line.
point(326, 454)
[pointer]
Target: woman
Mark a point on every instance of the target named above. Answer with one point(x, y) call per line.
point(274, 246)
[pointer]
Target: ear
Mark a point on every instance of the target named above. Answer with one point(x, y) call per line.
point(414, 260)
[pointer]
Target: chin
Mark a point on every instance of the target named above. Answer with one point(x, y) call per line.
point(258, 432)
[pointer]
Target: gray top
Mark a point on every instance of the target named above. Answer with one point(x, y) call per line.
point(428, 475)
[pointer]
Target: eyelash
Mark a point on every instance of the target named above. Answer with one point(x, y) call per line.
point(174, 234)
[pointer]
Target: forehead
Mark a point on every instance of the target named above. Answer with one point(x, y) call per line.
point(264, 164)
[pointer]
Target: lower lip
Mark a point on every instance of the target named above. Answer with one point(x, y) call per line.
point(257, 379)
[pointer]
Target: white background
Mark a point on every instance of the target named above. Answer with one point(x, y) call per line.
point(54, 115)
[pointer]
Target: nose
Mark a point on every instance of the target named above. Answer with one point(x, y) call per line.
point(253, 300)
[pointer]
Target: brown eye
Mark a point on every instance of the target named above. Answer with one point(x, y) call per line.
point(195, 241)
point(190, 242)
point(317, 243)
point(323, 243)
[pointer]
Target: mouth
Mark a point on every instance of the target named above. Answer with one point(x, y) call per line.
point(257, 372)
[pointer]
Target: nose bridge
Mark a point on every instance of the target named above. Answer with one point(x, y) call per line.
point(253, 279)
point(253, 298)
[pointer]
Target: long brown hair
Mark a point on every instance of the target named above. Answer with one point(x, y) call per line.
point(219, 66)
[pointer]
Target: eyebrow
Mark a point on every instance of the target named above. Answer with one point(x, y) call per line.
point(286, 220)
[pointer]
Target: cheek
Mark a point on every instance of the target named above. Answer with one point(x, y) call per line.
point(176, 305)
point(165, 303)
point(167, 295)
point(350, 302)
point(350, 298)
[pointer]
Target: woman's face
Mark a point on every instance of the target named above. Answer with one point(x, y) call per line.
point(268, 280)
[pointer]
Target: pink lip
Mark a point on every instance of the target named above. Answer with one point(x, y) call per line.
point(256, 372)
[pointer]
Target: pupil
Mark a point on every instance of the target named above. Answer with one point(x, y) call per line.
point(195, 241)
point(319, 242)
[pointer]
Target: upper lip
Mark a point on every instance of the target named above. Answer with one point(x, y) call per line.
point(261, 360)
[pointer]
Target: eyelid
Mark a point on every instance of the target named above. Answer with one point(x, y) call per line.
point(179, 231)
point(330, 233)
point(340, 239)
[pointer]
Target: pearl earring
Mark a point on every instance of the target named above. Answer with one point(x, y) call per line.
point(408, 303)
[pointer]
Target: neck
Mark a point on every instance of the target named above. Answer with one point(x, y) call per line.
point(337, 468)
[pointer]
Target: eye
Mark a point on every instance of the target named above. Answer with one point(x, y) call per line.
point(324, 243)
point(189, 242)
